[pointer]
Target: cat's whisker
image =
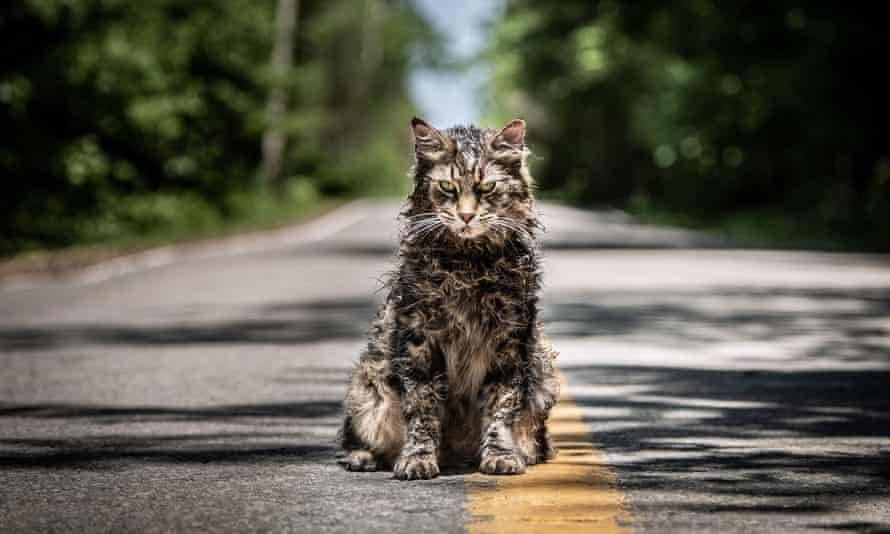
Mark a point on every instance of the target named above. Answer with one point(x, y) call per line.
point(421, 224)
point(513, 225)
point(423, 221)
point(422, 216)
point(425, 228)
point(507, 224)
point(516, 224)
point(417, 236)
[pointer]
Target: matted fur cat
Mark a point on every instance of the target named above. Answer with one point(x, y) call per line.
point(456, 369)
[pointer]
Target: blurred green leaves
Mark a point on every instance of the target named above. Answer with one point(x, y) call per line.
point(125, 117)
point(703, 108)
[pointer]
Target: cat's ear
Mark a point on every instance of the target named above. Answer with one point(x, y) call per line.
point(429, 143)
point(513, 133)
point(509, 142)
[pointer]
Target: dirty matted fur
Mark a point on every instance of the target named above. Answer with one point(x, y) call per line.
point(456, 369)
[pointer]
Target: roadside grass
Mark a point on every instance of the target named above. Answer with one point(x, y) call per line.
point(249, 212)
point(758, 228)
point(773, 229)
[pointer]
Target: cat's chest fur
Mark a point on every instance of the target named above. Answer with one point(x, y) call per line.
point(475, 308)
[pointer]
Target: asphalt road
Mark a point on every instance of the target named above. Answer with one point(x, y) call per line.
point(729, 390)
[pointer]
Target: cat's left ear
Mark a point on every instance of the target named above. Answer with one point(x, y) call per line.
point(429, 143)
point(513, 133)
point(509, 142)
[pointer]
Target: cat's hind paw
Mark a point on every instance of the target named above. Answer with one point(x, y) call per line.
point(358, 461)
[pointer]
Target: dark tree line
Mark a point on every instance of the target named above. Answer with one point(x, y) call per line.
point(706, 108)
point(122, 116)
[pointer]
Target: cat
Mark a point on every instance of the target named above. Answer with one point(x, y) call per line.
point(457, 369)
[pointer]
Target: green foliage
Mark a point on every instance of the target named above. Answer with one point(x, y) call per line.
point(704, 108)
point(128, 117)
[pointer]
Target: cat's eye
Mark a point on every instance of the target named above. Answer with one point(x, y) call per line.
point(486, 187)
point(447, 186)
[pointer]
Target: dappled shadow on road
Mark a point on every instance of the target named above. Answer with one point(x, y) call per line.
point(300, 428)
point(779, 438)
point(803, 323)
point(742, 442)
point(867, 527)
point(115, 435)
point(304, 433)
point(71, 456)
point(276, 323)
point(792, 325)
point(772, 402)
point(115, 414)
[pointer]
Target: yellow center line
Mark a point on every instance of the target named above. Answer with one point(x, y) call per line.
point(574, 492)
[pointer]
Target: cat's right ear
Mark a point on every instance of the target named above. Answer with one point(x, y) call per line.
point(429, 143)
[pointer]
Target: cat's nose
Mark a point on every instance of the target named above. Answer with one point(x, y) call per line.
point(467, 217)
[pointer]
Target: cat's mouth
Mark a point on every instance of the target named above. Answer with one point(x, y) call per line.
point(468, 231)
point(474, 229)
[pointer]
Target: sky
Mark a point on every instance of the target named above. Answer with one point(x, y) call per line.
point(449, 98)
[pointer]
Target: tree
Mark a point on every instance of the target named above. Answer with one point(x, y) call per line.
point(125, 117)
point(274, 138)
point(704, 108)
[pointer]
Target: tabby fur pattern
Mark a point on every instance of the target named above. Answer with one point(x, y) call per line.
point(456, 369)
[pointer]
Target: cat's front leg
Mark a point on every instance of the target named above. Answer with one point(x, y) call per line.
point(423, 395)
point(501, 401)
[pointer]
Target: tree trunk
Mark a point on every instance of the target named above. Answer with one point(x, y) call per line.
point(371, 54)
point(274, 138)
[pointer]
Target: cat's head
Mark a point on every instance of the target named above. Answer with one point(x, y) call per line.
point(471, 184)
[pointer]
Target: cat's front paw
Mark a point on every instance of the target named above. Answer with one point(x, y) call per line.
point(502, 464)
point(420, 466)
